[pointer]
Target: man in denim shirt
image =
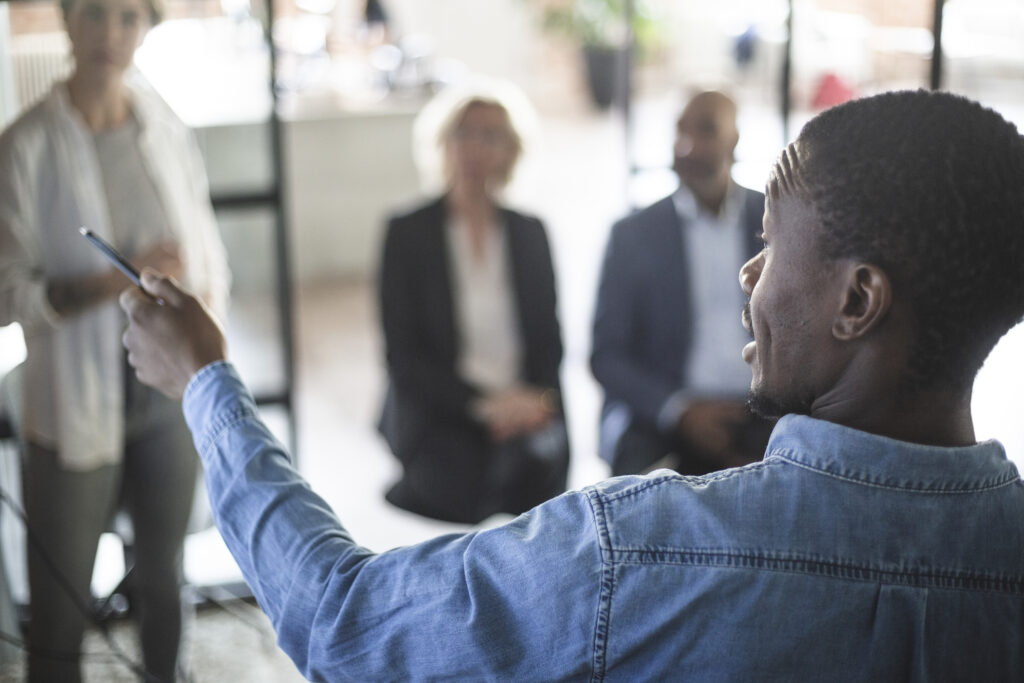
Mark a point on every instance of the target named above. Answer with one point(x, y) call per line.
point(875, 541)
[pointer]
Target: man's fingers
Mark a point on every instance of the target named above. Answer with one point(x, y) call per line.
point(131, 299)
point(132, 341)
point(129, 340)
point(727, 412)
point(717, 439)
point(163, 288)
point(739, 410)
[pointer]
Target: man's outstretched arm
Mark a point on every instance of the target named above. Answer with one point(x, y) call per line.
point(517, 602)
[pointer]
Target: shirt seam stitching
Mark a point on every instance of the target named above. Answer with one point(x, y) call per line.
point(783, 455)
point(223, 422)
point(950, 580)
point(606, 588)
point(651, 481)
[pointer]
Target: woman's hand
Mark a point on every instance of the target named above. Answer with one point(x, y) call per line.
point(74, 295)
point(516, 411)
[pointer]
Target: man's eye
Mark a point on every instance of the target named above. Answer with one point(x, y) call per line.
point(764, 242)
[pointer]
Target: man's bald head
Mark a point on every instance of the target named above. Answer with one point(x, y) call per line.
point(712, 102)
point(706, 137)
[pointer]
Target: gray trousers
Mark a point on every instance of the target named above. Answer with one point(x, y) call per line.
point(67, 511)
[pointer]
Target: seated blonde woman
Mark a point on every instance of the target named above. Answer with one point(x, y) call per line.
point(473, 344)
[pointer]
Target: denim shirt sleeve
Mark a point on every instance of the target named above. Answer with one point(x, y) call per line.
point(517, 602)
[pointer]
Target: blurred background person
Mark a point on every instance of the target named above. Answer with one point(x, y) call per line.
point(666, 336)
point(102, 150)
point(473, 346)
point(375, 22)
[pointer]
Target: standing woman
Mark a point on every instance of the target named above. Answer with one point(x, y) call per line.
point(473, 345)
point(104, 151)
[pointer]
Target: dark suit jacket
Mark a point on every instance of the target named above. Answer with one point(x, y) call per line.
point(421, 330)
point(643, 320)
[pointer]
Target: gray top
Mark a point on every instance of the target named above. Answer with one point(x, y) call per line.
point(137, 218)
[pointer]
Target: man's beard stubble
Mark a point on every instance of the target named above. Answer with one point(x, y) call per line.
point(760, 403)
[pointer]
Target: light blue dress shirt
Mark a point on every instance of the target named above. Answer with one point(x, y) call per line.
point(714, 249)
point(842, 556)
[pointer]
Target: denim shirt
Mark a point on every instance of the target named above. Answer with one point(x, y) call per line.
point(841, 556)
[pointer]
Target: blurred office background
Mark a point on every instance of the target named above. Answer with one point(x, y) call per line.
point(306, 165)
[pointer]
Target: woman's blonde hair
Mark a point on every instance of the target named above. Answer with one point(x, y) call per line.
point(439, 118)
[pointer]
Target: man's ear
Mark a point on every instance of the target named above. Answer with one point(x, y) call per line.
point(866, 299)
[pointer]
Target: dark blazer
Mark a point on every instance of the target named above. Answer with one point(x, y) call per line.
point(643, 320)
point(421, 332)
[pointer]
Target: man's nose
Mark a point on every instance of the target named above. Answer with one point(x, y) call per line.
point(750, 273)
point(683, 145)
point(107, 27)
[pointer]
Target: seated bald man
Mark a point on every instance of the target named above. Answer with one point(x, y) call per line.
point(876, 540)
point(665, 336)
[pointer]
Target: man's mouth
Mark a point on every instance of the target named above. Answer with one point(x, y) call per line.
point(748, 325)
point(692, 167)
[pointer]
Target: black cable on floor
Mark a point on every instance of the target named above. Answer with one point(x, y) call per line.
point(57, 656)
point(225, 599)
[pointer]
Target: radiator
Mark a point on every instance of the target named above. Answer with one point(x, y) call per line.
point(38, 60)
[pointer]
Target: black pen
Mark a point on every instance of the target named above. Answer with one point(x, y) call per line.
point(115, 257)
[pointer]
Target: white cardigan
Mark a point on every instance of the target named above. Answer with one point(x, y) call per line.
point(50, 184)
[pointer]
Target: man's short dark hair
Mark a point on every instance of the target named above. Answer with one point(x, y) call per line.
point(929, 186)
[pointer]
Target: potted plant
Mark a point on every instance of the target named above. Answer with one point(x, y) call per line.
point(600, 28)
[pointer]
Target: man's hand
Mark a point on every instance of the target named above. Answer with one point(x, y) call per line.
point(709, 424)
point(171, 334)
point(516, 411)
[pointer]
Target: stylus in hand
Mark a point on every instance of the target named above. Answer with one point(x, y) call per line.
point(115, 257)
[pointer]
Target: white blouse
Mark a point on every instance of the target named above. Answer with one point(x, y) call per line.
point(485, 309)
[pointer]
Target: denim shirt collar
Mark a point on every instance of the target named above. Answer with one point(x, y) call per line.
point(874, 460)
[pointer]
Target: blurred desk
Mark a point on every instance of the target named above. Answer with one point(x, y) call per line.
point(345, 171)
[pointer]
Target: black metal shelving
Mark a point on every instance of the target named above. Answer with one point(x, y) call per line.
point(273, 198)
